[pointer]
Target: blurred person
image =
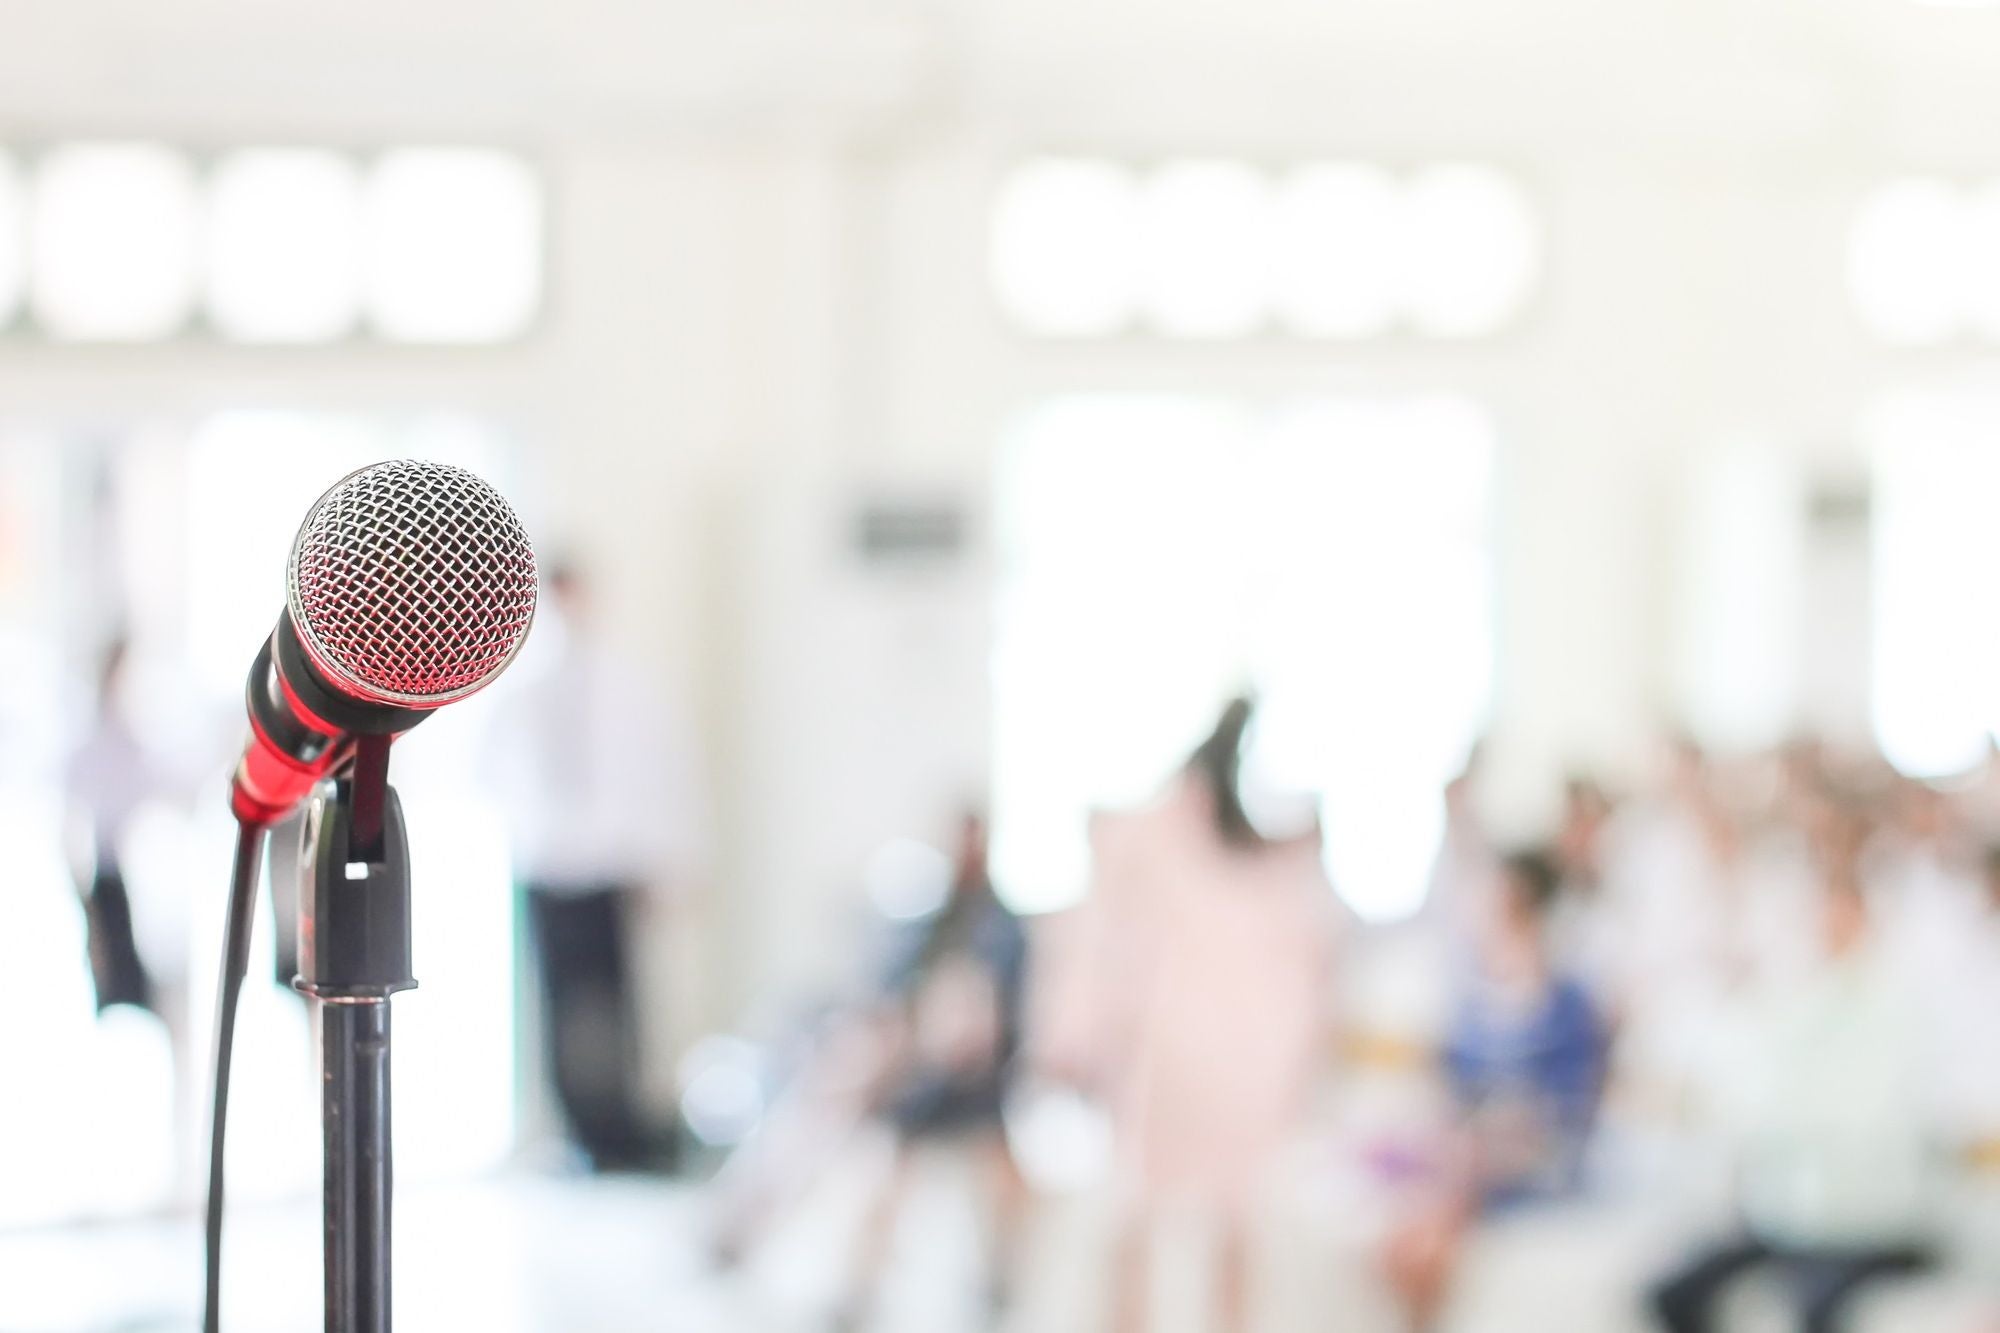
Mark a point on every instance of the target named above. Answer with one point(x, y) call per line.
point(953, 995)
point(1203, 983)
point(929, 1051)
point(1952, 964)
point(1828, 1101)
point(1676, 876)
point(1578, 851)
point(1923, 869)
point(603, 818)
point(1977, 801)
point(1462, 874)
point(109, 775)
point(1523, 1064)
point(1669, 862)
point(1582, 929)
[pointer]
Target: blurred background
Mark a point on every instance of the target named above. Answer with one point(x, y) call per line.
point(1569, 433)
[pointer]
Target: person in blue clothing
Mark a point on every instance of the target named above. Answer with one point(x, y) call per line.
point(1524, 1065)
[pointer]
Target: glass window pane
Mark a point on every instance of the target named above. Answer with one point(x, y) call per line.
point(1473, 250)
point(112, 231)
point(1064, 257)
point(1906, 261)
point(284, 246)
point(454, 246)
point(13, 240)
point(1253, 553)
point(1981, 281)
point(1338, 251)
point(1206, 249)
point(1935, 659)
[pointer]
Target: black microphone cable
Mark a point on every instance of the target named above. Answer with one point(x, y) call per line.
point(235, 964)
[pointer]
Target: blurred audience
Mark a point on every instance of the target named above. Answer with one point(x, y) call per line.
point(1794, 955)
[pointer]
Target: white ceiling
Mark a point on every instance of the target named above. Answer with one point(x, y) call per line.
point(1860, 77)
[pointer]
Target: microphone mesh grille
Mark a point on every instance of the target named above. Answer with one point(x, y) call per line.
point(412, 583)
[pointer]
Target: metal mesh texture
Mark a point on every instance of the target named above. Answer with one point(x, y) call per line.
point(412, 583)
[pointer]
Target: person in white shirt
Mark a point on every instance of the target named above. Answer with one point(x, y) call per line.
point(1828, 1097)
point(108, 777)
point(603, 818)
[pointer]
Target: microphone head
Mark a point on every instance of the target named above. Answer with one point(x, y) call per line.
point(411, 584)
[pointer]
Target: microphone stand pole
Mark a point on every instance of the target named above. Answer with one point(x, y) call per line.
point(354, 953)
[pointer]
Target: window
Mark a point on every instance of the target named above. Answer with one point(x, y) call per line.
point(1205, 243)
point(1337, 251)
point(131, 243)
point(1936, 655)
point(1063, 259)
point(1215, 248)
point(1472, 250)
point(284, 246)
point(13, 241)
point(113, 239)
point(1255, 553)
point(454, 246)
point(1923, 262)
point(1907, 260)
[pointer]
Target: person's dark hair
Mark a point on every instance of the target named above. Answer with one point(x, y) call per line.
point(1535, 878)
point(1581, 788)
point(111, 662)
point(563, 572)
point(1218, 763)
point(1990, 860)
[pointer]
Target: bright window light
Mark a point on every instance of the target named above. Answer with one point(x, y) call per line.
point(1254, 553)
point(113, 236)
point(1908, 260)
point(1064, 257)
point(284, 246)
point(1212, 248)
point(13, 240)
point(251, 473)
point(1936, 659)
point(454, 246)
point(1981, 281)
point(1741, 613)
point(1337, 251)
point(1205, 248)
point(1473, 250)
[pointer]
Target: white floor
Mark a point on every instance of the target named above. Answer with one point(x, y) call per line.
point(528, 1255)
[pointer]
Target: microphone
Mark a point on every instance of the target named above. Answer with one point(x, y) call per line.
point(410, 585)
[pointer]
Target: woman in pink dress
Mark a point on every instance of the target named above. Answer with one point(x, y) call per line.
point(1204, 978)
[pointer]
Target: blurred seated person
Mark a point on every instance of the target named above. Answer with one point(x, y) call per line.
point(1462, 873)
point(1955, 975)
point(1523, 1064)
point(1582, 927)
point(1827, 1098)
point(953, 994)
